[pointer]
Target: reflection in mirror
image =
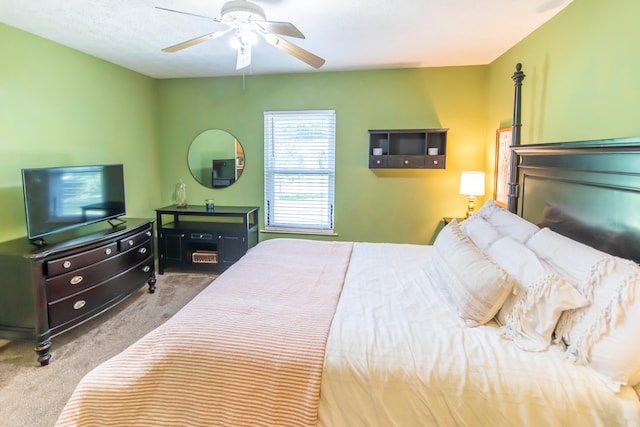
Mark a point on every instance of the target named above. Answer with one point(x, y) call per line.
point(216, 158)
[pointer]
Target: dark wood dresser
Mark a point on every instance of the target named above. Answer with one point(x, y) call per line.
point(197, 238)
point(47, 290)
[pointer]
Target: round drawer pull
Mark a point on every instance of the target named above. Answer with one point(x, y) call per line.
point(378, 162)
point(146, 269)
point(79, 304)
point(75, 280)
point(66, 264)
point(130, 242)
point(406, 162)
point(142, 251)
point(148, 233)
point(107, 251)
point(435, 162)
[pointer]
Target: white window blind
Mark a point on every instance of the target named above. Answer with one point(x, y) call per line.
point(299, 169)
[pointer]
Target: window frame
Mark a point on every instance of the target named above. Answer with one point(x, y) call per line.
point(276, 170)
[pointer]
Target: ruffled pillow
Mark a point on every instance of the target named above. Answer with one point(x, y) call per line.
point(474, 286)
point(481, 233)
point(529, 315)
point(507, 223)
point(574, 260)
point(604, 334)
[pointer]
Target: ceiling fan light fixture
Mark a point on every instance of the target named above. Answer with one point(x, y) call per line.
point(244, 38)
point(242, 11)
point(248, 37)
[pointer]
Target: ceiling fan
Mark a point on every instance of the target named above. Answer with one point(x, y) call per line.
point(247, 20)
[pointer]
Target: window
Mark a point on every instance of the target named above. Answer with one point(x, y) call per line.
point(299, 170)
point(72, 192)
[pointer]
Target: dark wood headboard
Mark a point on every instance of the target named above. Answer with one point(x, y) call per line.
point(588, 190)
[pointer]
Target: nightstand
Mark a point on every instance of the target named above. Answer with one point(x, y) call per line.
point(448, 219)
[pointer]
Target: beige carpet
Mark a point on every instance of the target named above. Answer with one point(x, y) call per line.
point(31, 395)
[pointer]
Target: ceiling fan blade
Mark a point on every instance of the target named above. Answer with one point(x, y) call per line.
point(303, 55)
point(197, 40)
point(244, 56)
point(281, 28)
point(187, 13)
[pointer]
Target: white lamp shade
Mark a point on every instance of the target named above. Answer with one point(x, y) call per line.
point(472, 183)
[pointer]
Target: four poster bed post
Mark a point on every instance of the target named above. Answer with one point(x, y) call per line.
point(512, 186)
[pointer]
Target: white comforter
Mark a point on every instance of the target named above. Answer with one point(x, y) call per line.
point(397, 356)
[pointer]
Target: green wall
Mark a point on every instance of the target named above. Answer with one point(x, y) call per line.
point(389, 205)
point(581, 76)
point(59, 106)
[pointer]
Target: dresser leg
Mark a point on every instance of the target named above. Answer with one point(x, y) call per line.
point(42, 349)
point(152, 284)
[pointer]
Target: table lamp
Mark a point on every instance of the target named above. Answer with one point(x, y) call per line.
point(472, 185)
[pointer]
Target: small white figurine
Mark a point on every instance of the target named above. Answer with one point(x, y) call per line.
point(181, 194)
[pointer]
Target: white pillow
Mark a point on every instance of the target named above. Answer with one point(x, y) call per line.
point(605, 335)
point(507, 223)
point(480, 231)
point(530, 313)
point(489, 208)
point(574, 260)
point(474, 286)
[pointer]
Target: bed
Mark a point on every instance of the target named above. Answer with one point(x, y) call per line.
point(519, 316)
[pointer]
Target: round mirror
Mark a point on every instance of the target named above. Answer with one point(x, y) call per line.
point(216, 158)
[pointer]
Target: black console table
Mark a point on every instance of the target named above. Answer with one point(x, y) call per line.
point(197, 238)
point(47, 290)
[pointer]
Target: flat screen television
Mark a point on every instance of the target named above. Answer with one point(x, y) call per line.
point(223, 172)
point(62, 198)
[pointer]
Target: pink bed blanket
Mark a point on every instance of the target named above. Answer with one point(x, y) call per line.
point(247, 351)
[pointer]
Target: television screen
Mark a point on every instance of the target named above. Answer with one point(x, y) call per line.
point(57, 199)
point(224, 172)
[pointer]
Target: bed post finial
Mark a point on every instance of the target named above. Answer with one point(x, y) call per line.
point(512, 195)
point(518, 77)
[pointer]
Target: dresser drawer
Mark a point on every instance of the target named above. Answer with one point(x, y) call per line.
point(134, 240)
point(73, 262)
point(434, 162)
point(82, 278)
point(79, 306)
point(377, 162)
point(406, 161)
point(202, 236)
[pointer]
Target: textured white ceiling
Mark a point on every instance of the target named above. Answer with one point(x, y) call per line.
point(349, 34)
